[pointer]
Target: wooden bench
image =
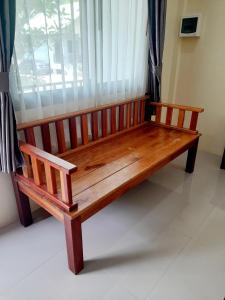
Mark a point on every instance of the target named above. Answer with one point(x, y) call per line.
point(222, 166)
point(98, 154)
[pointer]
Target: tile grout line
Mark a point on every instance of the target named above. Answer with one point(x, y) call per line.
point(128, 291)
point(29, 273)
point(168, 267)
point(191, 239)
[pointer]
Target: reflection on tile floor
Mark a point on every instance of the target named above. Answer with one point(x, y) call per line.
point(162, 240)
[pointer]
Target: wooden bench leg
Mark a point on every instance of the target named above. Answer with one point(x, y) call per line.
point(222, 166)
point(23, 205)
point(74, 243)
point(190, 164)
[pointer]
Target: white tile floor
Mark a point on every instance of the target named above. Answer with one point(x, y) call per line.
point(164, 239)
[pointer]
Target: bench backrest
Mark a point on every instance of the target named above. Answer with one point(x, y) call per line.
point(86, 126)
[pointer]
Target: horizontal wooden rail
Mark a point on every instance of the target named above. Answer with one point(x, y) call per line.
point(177, 106)
point(40, 169)
point(53, 160)
point(182, 109)
point(76, 113)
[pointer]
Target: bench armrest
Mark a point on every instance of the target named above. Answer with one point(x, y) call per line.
point(42, 170)
point(52, 160)
point(178, 106)
point(182, 109)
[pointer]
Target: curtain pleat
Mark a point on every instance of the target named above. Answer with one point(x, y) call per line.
point(156, 33)
point(10, 156)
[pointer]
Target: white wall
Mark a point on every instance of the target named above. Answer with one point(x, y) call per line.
point(175, 9)
point(199, 66)
point(8, 211)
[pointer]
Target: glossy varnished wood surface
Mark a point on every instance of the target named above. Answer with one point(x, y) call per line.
point(113, 165)
point(116, 150)
point(111, 149)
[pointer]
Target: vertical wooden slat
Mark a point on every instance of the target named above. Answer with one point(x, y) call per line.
point(121, 117)
point(194, 120)
point(73, 132)
point(142, 111)
point(84, 129)
point(50, 179)
point(135, 113)
point(113, 119)
point(37, 174)
point(94, 125)
point(29, 136)
point(66, 189)
point(60, 136)
point(180, 122)
point(158, 114)
point(128, 117)
point(27, 169)
point(169, 115)
point(104, 122)
point(46, 139)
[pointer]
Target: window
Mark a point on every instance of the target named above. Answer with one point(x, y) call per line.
point(69, 46)
point(72, 54)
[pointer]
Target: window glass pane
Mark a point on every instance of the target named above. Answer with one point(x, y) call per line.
point(78, 53)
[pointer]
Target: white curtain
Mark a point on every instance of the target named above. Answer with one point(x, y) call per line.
point(72, 54)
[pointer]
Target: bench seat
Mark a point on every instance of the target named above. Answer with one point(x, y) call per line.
point(109, 168)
